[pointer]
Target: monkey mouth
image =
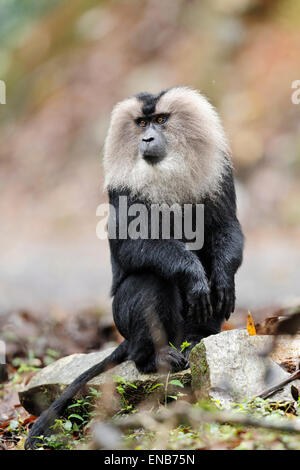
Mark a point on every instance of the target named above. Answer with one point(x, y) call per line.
point(152, 158)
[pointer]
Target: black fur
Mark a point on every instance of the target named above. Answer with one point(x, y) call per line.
point(175, 285)
point(149, 101)
point(164, 293)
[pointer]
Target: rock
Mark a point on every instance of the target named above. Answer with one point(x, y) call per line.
point(287, 352)
point(227, 367)
point(49, 382)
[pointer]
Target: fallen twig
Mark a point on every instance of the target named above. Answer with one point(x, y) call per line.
point(271, 390)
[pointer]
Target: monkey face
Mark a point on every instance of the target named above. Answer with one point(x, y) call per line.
point(153, 146)
point(168, 147)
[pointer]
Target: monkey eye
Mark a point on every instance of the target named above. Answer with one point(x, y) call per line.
point(141, 122)
point(161, 119)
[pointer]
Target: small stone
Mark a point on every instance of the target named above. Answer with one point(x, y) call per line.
point(229, 367)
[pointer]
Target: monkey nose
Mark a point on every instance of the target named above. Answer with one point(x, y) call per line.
point(148, 139)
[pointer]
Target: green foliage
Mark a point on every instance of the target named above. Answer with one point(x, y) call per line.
point(72, 428)
point(151, 388)
point(184, 346)
point(13, 425)
point(23, 365)
point(259, 407)
point(177, 383)
point(69, 430)
point(215, 435)
point(50, 356)
point(121, 387)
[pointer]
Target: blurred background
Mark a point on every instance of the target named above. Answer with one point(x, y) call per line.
point(65, 64)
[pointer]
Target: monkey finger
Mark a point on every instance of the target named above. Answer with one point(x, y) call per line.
point(229, 305)
point(227, 313)
point(198, 312)
point(213, 303)
point(226, 305)
point(207, 307)
point(192, 311)
point(233, 303)
point(232, 307)
point(202, 310)
point(220, 303)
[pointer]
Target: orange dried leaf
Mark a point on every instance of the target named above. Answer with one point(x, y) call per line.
point(250, 325)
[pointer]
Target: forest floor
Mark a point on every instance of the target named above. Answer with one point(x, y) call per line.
point(33, 343)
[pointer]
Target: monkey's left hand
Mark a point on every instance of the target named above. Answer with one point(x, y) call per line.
point(222, 298)
point(198, 301)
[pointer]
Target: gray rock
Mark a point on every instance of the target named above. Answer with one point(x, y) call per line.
point(49, 382)
point(228, 367)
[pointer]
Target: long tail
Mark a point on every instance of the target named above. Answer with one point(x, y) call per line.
point(47, 418)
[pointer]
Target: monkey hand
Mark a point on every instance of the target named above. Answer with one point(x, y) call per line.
point(222, 299)
point(199, 300)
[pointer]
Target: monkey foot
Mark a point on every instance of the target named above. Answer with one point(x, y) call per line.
point(169, 359)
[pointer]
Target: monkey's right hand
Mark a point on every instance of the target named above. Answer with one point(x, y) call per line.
point(198, 298)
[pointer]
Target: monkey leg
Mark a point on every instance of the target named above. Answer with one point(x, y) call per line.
point(147, 312)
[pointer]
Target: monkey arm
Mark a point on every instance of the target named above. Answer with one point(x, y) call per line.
point(171, 260)
point(168, 258)
point(227, 253)
point(226, 247)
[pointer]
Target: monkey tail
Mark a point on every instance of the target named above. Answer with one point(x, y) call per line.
point(47, 418)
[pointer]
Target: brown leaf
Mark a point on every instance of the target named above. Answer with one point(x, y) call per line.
point(295, 392)
point(29, 420)
point(267, 326)
point(290, 325)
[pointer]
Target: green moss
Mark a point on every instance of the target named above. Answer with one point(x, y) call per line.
point(199, 368)
point(204, 366)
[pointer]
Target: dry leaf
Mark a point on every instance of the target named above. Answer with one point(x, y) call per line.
point(295, 392)
point(290, 325)
point(20, 444)
point(250, 325)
